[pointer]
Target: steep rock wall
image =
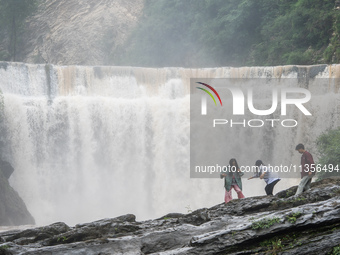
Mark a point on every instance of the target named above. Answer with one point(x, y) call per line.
point(76, 32)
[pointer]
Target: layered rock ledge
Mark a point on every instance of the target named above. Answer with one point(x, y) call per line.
point(280, 224)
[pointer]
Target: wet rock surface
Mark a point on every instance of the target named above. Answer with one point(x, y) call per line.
point(6, 168)
point(78, 32)
point(281, 224)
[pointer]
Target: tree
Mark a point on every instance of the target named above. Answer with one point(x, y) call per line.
point(329, 150)
point(202, 33)
point(12, 16)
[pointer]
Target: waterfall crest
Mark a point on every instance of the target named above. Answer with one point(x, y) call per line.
point(96, 142)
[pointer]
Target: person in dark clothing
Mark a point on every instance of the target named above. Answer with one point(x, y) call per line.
point(307, 169)
point(232, 179)
point(268, 176)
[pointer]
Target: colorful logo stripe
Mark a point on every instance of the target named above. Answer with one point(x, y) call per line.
point(204, 84)
point(208, 93)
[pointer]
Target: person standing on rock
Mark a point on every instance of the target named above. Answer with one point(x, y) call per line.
point(232, 179)
point(269, 177)
point(307, 169)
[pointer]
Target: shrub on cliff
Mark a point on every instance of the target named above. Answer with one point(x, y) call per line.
point(234, 32)
point(329, 149)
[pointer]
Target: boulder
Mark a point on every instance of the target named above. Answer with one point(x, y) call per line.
point(6, 168)
point(281, 224)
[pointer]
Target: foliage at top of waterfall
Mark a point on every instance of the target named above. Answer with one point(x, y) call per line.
point(158, 33)
point(235, 33)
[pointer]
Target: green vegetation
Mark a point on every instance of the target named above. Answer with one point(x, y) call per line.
point(297, 199)
point(287, 241)
point(280, 243)
point(12, 17)
point(275, 245)
point(290, 193)
point(200, 33)
point(329, 150)
point(264, 223)
point(4, 247)
point(293, 217)
point(336, 250)
point(62, 239)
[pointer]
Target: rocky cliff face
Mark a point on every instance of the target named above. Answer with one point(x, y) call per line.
point(13, 210)
point(79, 32)
point(281, 224)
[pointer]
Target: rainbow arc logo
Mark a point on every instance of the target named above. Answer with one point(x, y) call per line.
point(204, 102)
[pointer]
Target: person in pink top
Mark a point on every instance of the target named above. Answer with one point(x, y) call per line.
point(232, 179)
point(307, 169)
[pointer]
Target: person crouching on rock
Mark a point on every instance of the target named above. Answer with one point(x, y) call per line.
point(269, 177)
point(232, 179)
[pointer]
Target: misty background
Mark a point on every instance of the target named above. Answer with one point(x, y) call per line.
point(96, 121)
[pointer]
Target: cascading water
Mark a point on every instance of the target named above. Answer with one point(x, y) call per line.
point(96, 142)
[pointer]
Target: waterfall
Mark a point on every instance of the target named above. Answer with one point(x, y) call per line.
point(97, 142)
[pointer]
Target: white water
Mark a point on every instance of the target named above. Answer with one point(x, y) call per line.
point(96, 142)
